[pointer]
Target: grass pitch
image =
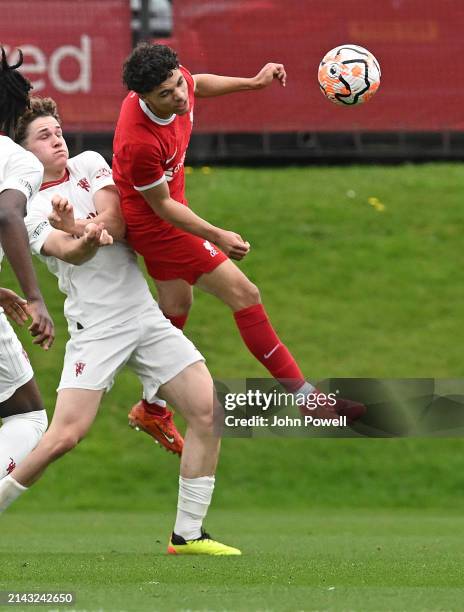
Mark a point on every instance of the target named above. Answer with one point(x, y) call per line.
point(335, 560)
point(359, 269)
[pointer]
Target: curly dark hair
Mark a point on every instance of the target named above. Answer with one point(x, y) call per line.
point(148, 66)
point(14, 92)
point(38, 107)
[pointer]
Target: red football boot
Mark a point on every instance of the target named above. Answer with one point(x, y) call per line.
point(160, 427)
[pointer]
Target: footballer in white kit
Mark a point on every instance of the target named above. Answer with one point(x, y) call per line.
point(112, 317)
point(23, 417)
point(22, 171)
point(113, 321)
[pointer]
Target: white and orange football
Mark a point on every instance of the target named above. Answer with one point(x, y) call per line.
point(349, 75)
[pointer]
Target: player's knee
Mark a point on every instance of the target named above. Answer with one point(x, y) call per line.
point(245, 294)
point(176, 307)
point(253, 295)
point(203, 421)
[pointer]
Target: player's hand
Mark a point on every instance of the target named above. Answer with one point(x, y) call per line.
point(13, 305)
point(62, 215)
point(233, 245)
point(41, 328)
point(268, 73)
point(96, 235)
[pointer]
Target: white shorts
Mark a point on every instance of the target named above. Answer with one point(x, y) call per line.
point(15, 369)
point(148, 343)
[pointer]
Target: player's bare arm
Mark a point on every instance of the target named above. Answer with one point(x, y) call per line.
point(13, 305)
point(181, 216)
point(210, 85)
point(77, 250)
point(15, 243)
point(106, 201)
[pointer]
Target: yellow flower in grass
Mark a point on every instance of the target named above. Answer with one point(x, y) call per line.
point(377, 204)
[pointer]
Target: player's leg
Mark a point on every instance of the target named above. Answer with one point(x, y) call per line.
point(184, 259)
point(174, 299)
point(228, 283)
point(24, 419)
point(169, 365)
point(74, 413)
point(92, 359)
point(192, 393)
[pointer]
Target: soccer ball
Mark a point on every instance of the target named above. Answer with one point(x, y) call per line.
point(349, 75)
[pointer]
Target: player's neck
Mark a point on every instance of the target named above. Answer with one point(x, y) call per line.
point(157, 113)
point(51, 175)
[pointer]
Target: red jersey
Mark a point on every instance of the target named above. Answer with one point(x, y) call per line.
point(147, 151)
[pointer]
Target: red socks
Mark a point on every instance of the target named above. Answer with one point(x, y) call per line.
point(263, 342)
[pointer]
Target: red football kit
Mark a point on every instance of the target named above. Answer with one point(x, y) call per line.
point(149, 150)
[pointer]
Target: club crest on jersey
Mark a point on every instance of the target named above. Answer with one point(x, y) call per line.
point(209, 247)
point(84, 183)
point(79, 365)
point(11, 466)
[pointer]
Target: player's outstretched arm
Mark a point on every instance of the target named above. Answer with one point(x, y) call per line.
point(76, 250)
point(181, 216)
point(15, 243)
point(210, 85)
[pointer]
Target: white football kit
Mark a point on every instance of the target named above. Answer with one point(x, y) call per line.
point(112, 317)
point(21, 171)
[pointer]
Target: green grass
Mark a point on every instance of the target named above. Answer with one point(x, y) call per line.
point(338, 560)
point(353, 291)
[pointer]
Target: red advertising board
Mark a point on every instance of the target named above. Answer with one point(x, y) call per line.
point(73, 51)
point(417, 42)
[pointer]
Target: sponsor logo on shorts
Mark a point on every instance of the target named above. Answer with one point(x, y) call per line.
point(209, 247)
point(26, 356)
point(39, 229)
point(11, 466)
point(79, 365)
point(84, 184)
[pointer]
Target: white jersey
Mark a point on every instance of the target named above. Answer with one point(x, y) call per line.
point(19, 170)
point(108, 289)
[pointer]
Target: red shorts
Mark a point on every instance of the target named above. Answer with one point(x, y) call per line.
point(170, 253)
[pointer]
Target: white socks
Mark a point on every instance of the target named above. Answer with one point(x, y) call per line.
point(19, 434)
point(305, 389)
point(194, 500)
point(9, 491)
point(157, 401)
